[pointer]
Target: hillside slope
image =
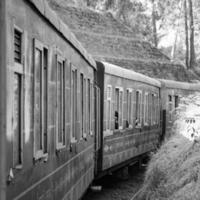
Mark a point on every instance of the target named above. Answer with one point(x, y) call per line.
point(109, 40)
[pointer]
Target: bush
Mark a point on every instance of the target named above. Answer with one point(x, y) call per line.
point(173, 172)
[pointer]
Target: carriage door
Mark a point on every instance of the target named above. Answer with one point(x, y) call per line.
point(97, 127)
point(163, 125)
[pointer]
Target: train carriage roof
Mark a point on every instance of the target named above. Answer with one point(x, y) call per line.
point(129, 74)
point(180, 85)
point(43, 7)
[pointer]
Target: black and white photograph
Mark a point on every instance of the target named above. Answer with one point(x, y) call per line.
point(100, 100)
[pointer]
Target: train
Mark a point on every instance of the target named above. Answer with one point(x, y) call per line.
point(67, 119)
point(171, 94)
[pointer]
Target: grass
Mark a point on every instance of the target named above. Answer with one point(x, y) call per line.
point(173, 172)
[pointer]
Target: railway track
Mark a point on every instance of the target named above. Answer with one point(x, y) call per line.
point(134, 197)
point(116, 188)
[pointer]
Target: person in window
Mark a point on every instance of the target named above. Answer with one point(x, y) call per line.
point(127, 124)
point(116, 120)
point(136, 121)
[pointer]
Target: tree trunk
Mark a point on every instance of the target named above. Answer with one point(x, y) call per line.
point(174, 47)
point(155, 39)
point(173, 51)
point(120, 9)
point(186, 35)
point(191, 30)
point(3, 99)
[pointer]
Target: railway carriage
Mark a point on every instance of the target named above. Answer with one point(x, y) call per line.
point(130, 117)
point(171, 93)
point(50, 106)
point(69, 119)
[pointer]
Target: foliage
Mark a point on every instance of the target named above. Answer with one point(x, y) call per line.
point(137, 14)
point(174, 172)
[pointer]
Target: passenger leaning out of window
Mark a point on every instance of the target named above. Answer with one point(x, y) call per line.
point(136, 121)
point(116, 120)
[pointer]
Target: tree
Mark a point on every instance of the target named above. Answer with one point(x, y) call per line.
point(186, 35)
point(189, 34)
point(191, 29)
point(153, 14)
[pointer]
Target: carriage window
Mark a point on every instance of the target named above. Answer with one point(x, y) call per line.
point(60, 103)
point(45, 98)
point(88, 106)
point(170, 107)
point(91, 109)
point(73, 104)
point(17, 46)
point(85, 108)
point(17, 120)
point(158, 109)
point(97, 114)
point(176, 101)
point(17, 112)
point(138, 119)
point(152, 109)
point(149, 108)
point(108, 109)
point(146, 108)
point(82, 103)
point(118, 108)
point(129, 108)
point(153, 112)
point(40, 99)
